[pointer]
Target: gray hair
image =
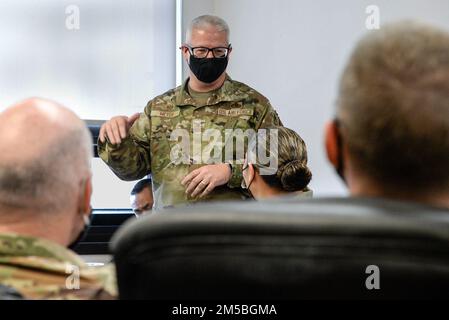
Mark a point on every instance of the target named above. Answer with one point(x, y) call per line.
point(394, 107)
point(205, 21)
point(46, 183)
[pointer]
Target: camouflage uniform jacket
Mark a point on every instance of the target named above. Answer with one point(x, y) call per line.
point(149, 146)
point(41, 269)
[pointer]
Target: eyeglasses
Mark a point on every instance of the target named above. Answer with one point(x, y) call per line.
point(202, 52)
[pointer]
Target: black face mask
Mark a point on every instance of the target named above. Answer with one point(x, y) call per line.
point(208, 69)
point(82, 234)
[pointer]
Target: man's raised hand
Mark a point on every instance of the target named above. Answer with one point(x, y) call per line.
point(117, 128)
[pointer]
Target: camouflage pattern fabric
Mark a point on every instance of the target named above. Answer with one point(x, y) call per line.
point(305, 194)
point(149, 145)
point(40, 269)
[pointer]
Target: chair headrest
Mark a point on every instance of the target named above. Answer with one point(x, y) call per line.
point(261, 249)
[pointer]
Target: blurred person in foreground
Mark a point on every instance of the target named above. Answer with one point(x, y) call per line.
point(45, 191)
point(390, 136)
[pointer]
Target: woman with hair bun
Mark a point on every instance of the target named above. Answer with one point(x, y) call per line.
point(285, 174)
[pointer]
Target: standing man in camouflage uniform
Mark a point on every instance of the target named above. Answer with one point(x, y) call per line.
point(45, 189)
point(209, 99)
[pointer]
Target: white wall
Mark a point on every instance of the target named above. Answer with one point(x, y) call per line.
point(122, 55)
point(293, 52)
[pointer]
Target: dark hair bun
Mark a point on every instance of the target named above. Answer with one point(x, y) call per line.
point(294, 176)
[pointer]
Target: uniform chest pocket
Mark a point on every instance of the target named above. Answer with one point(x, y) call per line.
point(243, 123)
point(163, 122)
point(234, 117)
point(163, 126)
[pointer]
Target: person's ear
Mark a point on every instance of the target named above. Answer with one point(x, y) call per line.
point(185, 53)
point(331, 144)
point(85, 198)
point(251, 173)
point(229, 53)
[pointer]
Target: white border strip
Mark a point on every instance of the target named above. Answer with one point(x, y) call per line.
point(178, 42)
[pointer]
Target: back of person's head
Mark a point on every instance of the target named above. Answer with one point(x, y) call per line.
point(45, 164)
point(290, 172)
point(393, 110)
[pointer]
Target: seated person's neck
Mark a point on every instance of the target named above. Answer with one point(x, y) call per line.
point(261, 190)
point(43, 228)
point(365, 187)
point(271, 193)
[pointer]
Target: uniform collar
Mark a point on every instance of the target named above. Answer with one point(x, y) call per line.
point(226, 93)
point(20, 248)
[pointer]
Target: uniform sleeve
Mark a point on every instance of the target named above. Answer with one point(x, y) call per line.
point(130, 160)
point(268, 119)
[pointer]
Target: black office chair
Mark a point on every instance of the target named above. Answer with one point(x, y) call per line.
point(319, 248)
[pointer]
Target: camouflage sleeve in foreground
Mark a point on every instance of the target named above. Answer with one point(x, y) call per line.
point(40, 269)
point(130, 160)
point(269, 119)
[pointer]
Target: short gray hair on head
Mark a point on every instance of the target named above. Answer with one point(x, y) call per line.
point(205, 21)
point(47, 181)
point(394, 107)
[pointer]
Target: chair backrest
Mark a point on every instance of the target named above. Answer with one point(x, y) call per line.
point(319, 248)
